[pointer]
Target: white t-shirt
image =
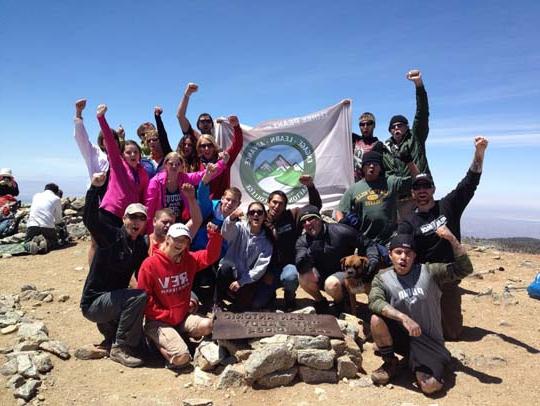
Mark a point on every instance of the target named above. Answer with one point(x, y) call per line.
point(46, 210)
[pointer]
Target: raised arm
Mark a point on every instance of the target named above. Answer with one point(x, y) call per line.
point(162, 134)
point(101, 232)
point(464, 191)
point(185, 125)
point(115, 157)
point(421, 119)
point(229, 228)
point(194, 210)
point(88, 151)
point(237, 142)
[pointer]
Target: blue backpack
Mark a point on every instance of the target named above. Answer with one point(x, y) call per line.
point(534, 288)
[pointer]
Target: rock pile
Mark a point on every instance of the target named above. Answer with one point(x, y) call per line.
point(28, 360)
point(280, 360)
point(72, 207)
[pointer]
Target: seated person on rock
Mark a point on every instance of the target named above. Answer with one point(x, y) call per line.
point(167, 277)
point(247, 258)
point(405, 301)
point(318, 254)
point(8, 185)
point(107, 298)
point(44, 218)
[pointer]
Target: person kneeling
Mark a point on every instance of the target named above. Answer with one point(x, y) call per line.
point(167, 278)
point(405, 300)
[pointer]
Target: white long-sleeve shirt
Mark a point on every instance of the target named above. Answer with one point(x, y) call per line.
point(95, 159)
point(46, 210)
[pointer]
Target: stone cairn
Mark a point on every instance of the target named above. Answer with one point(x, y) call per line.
point(281, 360)
point(28, 359)
point(72, 208)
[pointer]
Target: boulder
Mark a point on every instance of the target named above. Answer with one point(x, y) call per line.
point(28, 390)
point(43, 363)
point(277, 379)
point(318, 359)
point(57, 348)
point(309, 342)
point(315, 376)
point(232, 376)
point(269, 359)
point(346, 368)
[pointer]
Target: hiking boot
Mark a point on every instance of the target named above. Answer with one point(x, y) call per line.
point(321, 307)
point(289, 299)
point(123, 355)
point(385, 372)
point(41, 243)
point(31, 247)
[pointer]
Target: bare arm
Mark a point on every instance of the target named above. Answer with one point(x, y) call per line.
point(480, 146)
point(194, 209)
point(185, 125)
point(410, 325)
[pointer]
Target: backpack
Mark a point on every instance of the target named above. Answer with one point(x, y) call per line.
point(534, 288)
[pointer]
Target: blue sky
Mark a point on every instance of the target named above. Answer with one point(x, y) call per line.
point(480, 60)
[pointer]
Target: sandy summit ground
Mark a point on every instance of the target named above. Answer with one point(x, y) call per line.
point(498, 356)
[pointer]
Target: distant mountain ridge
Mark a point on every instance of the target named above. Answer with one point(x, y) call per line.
point(512, 244)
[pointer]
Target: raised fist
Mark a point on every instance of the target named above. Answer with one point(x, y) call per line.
point(98, 179)
point(80, 105)
point(101, 110)
point(480, 143)
point(415, 76)
point(158, 110)
point(191, 88)
point(188, 190)
point(306, 180)
point(224, 155)
point(233, 120)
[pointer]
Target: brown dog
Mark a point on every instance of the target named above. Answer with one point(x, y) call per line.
point(354, 267)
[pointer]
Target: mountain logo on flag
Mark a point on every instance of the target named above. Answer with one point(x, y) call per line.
point(275, 162)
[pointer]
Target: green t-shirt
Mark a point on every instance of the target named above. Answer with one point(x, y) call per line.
point(375, 203)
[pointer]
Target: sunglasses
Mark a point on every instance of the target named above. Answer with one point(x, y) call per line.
point(366, 123)
point(149, 140)
point(204, 146)
point(140, 217)
point(255, 212)
point(205, 121)
point(422, 185)
point(397, 125)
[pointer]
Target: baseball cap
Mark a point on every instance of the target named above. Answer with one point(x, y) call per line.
point(135, 208)
point(6, 172)
point(179, 230)
point(423, 177)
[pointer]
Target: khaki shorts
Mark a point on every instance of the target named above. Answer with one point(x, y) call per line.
point(167, 337)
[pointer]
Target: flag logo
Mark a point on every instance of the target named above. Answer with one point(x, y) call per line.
point(275, 162)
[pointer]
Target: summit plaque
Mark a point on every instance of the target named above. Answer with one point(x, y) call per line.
point(233, 326)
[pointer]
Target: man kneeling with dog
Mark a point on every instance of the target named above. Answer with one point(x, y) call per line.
point(405, 300)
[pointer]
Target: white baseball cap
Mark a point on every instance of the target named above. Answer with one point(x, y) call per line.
point(179, 230)
point(6, 172)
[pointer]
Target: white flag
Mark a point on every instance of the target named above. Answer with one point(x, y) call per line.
point(277, 152)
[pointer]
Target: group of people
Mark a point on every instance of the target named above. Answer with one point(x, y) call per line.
point(166, 225)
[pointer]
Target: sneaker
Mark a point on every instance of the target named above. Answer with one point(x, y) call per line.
point(123, 355)
point(385, 372)
point(321, 307)
point(41, 243)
